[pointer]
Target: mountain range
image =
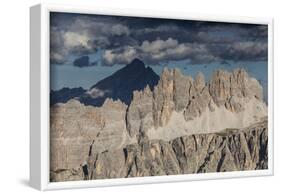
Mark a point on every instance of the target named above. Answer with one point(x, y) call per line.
point(172, 124)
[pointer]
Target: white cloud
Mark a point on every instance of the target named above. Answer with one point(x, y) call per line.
point(111, 57)
point(57, 58)
point(159, 50)
point(96, 93)
point(158, 45)
point(74, 39)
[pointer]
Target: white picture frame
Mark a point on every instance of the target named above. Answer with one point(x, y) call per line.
point(39, 102)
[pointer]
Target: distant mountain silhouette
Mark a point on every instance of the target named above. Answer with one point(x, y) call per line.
point(120, 85)
point(65, 94)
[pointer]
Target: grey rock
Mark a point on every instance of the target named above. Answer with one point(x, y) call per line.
point(74, 127)
point(163, 103)
point(199, 101)
point(232, 89)
point(227, 150)
point(199, 81)
point(177, 92)
point(182, 87)
point(219, 87)
point(139, 114)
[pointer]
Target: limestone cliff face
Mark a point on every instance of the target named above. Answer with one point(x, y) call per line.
point(227, 150)
point(231, 89)
point(182, 125)
point(74, 126)
point(139, 115)
point(176, 92)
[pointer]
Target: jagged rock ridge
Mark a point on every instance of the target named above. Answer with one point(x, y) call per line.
point(178, 93)
point(227, 150)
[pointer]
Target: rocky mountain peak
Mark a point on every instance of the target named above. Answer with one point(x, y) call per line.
point(135, 66)
point(200, 81)
point(136, 61)
point(177, 72)
point(121, 85)
point(224, 87)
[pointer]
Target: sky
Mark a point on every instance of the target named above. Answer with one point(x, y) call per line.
point(87, 48)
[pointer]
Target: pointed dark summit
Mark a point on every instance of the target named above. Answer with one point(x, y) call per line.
point(133, 68)
point(136, 62)
point(121, 84)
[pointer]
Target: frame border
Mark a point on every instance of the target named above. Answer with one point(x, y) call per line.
point(39, 96)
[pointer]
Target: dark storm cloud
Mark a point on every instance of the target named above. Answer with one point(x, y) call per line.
point(81, 34)
point(154, 41)
point(84, 61)
point(241, 51)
